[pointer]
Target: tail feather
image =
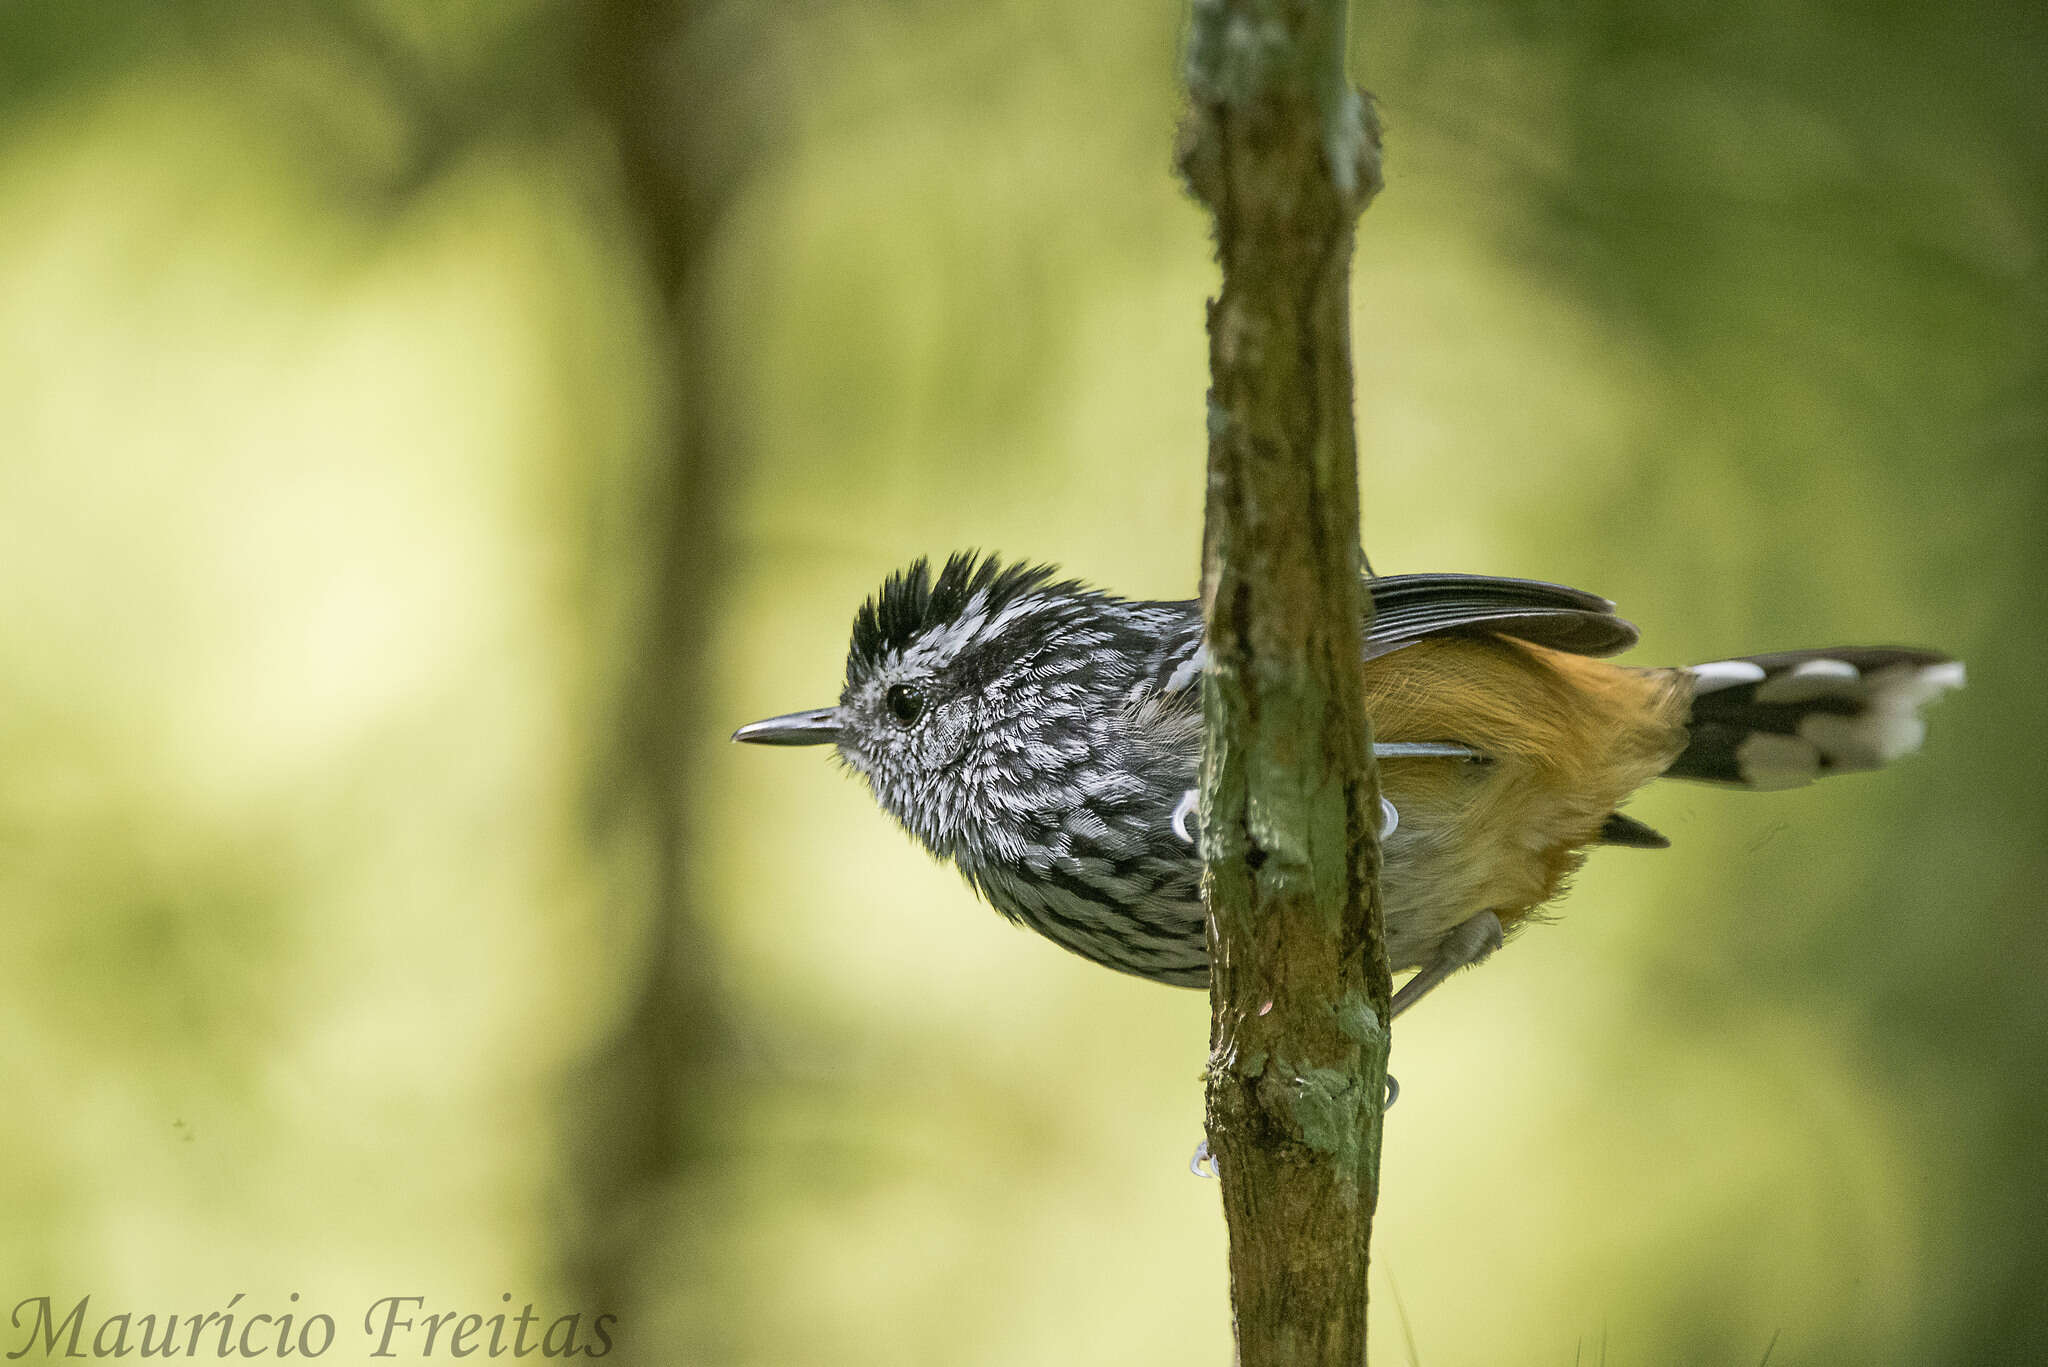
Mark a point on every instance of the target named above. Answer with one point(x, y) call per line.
point(1781, 720)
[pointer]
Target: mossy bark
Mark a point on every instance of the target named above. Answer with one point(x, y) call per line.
point(1285, 153)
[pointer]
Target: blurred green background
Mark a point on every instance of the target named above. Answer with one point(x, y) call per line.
point(426, 429)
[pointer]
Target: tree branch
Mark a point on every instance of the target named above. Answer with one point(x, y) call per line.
point(1285, 153)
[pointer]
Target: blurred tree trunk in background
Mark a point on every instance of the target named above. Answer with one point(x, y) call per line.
point(645, 1109)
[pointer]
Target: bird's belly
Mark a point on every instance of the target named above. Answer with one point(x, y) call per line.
point(1443, 864)
point(1153, 926)
point(1566, 739)
point(1431, 883)
point(1500, 837)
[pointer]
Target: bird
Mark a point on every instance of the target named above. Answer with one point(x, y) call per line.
point(1044, 737)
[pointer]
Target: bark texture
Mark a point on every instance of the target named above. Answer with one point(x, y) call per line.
point(1285, 153)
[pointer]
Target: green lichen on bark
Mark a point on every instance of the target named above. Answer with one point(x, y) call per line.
point(1329, 1112)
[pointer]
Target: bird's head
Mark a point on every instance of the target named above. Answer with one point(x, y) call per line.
point(971, 687)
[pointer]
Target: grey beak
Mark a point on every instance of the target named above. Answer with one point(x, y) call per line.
point(819, 726)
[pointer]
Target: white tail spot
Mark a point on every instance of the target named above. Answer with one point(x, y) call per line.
point(1769, 760)
point(1720, 674)
point(1910, 687)
point(1890, 726)
point(1866, 741)
point(1810, 679)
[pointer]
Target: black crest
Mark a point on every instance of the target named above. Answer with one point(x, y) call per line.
point(912, 601)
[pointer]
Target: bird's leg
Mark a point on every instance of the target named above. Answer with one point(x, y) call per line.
point(1469, 942)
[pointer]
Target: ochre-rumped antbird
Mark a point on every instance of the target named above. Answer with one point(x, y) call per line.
point(1044, 737)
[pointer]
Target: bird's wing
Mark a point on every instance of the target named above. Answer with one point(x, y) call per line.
point(1410, 607)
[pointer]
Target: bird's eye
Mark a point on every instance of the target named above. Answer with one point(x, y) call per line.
point(905, 704)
